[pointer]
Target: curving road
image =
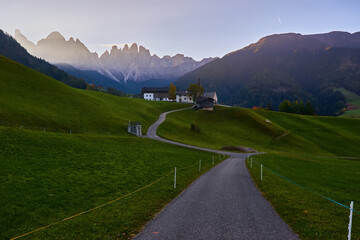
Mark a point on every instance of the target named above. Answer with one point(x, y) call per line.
point(223, 203)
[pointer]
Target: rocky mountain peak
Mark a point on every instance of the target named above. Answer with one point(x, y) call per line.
point(24, 42)
point(129, 63)
point(143, 51)
point(125, 48)
point(134, 48)
point(18, 33)
point(113, 50)
point(105, 54)
point(55, 36)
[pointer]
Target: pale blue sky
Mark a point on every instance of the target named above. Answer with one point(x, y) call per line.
point(196, 28)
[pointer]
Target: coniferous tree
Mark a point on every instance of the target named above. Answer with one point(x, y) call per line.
point(309, 110)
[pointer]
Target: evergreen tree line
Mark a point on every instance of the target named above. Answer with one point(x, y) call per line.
point(109, 90)
point(297, 107)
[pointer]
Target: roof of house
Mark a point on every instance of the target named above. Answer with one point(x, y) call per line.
point(183, 93)
point(210, 94)
point(134, 123)
point(200, 99)
point(204, 102)
point(155, 89)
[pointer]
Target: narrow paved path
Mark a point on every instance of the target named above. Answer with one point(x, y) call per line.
point(223, 203)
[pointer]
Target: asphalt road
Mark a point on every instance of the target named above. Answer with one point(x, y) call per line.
point(223, 203)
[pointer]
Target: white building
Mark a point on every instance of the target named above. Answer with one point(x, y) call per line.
point(184, 97)
point(155, 93)
point(149, 96)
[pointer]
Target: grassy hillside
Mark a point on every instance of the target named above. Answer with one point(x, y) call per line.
point(310, 215)
point(245, 127)
point(353, 100)
point(350, 97)
point(30, 98)
point(337, 136)
point(301, 148)
point(46, 177)
point(352, 114)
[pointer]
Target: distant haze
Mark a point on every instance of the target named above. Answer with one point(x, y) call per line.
point(199, 29)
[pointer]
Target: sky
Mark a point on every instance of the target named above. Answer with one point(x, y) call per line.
point(195, 28)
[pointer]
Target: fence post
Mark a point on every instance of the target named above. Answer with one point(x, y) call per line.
point(213, 160)
point(199, 165)
point(70, 131)
point(44, 129)
point(261, 171)
point(350, 218)
point(175, 179)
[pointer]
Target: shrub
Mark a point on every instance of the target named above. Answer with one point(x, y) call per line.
point(194, 127)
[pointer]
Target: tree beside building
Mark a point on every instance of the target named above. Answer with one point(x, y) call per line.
point(195, 90)
point(172, 92)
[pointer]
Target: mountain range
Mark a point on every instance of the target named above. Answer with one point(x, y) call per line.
point(118, 68)
point(286, 66)
point(10, 48)
point(309, 68)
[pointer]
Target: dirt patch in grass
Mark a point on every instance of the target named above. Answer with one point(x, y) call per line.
point(239, 149)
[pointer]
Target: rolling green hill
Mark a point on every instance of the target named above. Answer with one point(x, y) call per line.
point(353, 104)
point(245, 127)
point(32, 99)
point(46, 177)
point(319, 153)
point(350, 97)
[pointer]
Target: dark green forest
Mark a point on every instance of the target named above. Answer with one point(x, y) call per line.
point(279, 67)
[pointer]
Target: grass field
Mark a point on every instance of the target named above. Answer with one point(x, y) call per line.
point(310, 215)
point(245, 127)
point(46, 177)
point(301, 148)
point(353, 99)
point(351, 114)
point(350, 97)
point(36, 101)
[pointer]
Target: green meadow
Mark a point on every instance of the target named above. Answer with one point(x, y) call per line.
point(353, 99)
point(47, 176)
point(36, 101)
point(304, 149)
